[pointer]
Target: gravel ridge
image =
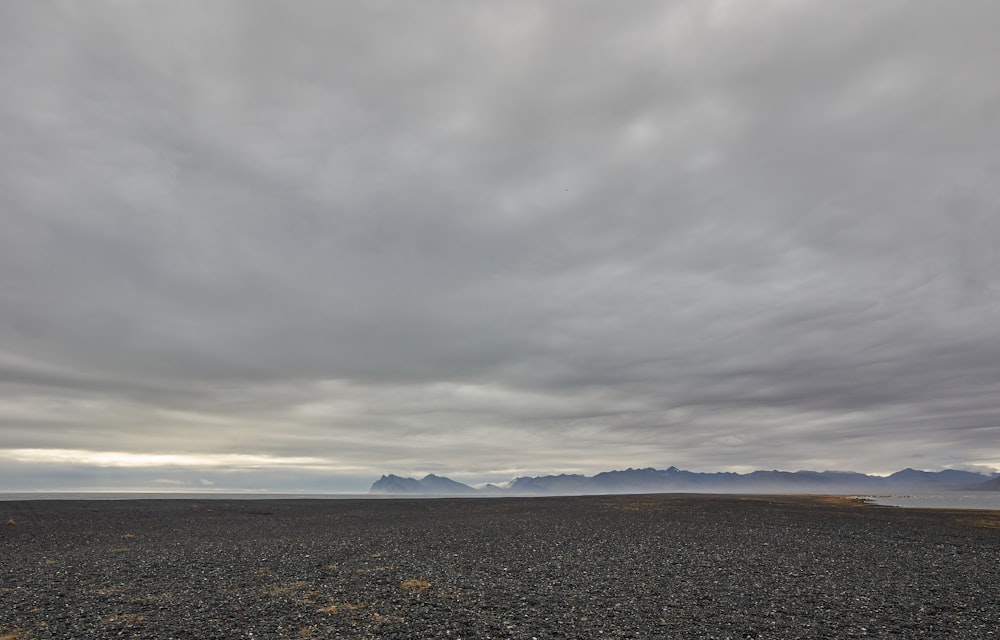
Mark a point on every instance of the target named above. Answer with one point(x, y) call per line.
point(649, 566)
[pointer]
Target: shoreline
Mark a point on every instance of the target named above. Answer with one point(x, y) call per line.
point(910, 500)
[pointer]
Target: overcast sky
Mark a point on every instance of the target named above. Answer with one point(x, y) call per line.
point(293, 246)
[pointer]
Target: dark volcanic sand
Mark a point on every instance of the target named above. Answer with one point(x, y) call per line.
point(621, 567)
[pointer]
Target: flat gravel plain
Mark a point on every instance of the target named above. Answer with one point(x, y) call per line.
point(652, 566)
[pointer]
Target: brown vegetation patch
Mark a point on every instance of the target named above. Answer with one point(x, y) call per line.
point(989, 521)
point(415, 585)
point(338, 607)
point(288, 589)
point(12, 634)
point(383, 619)
point(297, 591)
point(292, 587)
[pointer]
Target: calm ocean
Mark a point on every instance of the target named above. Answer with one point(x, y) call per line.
point(943, 500)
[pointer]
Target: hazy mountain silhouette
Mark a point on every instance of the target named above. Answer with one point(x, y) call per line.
point(429, 485)
point(989, 485)
point(672, 479)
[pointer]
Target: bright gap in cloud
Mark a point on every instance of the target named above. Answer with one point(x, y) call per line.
point(127, 459)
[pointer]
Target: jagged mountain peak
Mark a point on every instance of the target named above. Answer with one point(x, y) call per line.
point(430, 484)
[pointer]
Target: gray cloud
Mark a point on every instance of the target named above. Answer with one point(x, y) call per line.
point(485, 240)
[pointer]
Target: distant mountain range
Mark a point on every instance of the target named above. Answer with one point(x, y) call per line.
point(673, 479)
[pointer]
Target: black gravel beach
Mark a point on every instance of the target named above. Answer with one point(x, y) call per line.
point(665, 566)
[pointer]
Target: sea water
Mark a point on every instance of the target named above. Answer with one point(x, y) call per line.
point(941, 500)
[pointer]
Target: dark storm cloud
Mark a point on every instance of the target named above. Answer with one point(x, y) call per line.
point(486, 239)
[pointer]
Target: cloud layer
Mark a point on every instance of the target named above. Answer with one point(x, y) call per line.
point(493, 239)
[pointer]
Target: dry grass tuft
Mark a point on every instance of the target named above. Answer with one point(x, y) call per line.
point(342, 606)
point(12, 634)
point(415, 585)
point(297, 591)
point(127, 536)
point(11, 523)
